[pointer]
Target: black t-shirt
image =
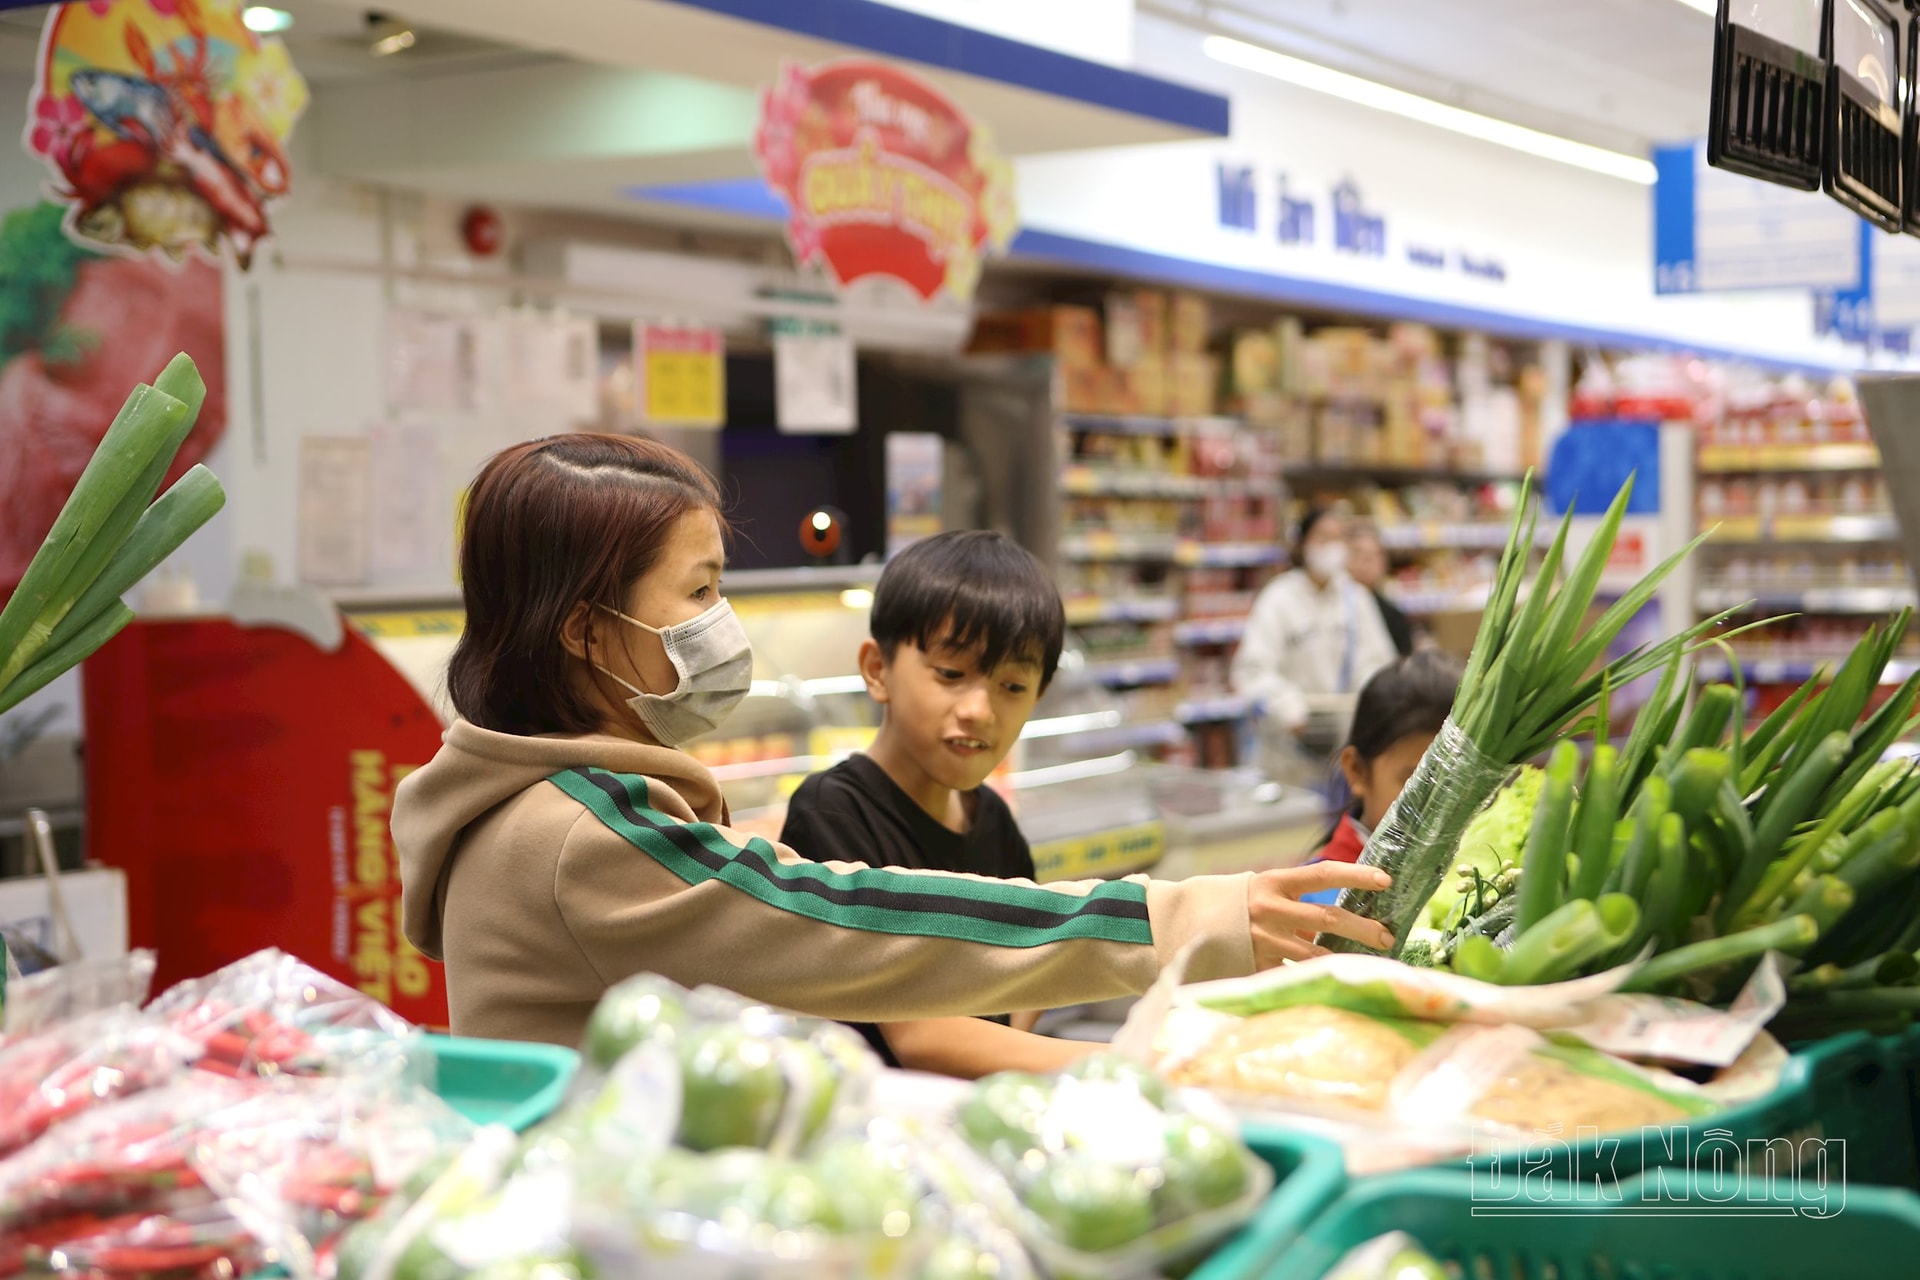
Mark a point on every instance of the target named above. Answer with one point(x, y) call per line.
point(855, 813)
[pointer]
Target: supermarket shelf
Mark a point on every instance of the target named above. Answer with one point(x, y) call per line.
point(1842, 599)
point(1724, 458)
point(1422, 603)
point(1114, 546)
point(1130, 674)
point(1128, 737)
point(1207, 710)
point(1336, 471)
point(1134, 425)
point(1796, 670)
point(1210, 631)
point(1083, 612)
point(1092, 482)
point(1228, 555)
point(1738, 530)
point(1433, 536)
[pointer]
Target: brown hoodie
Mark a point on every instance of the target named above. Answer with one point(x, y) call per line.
point(543, 870)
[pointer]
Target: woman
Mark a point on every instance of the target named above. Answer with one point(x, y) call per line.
point(1367, 565)
point(559, 842)
point(1314, 631)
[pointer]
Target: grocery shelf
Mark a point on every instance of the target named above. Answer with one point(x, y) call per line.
point(1430, 535)
point(1141, 425)
point(1227, 555)
point(1461, 600)
point(1738, 458)
point(1796, 670)
point(1084, 611)
point(1205, 710)
point(1735, 530)
point(1834, 599)
point(1093, 482)
point(1119, 546)
point(1210, 631)
point(1134, 672)
point(1335, 471)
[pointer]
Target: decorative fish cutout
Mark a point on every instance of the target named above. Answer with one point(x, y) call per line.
point(130, 107)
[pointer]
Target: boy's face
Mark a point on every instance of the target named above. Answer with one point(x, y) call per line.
point(956, 721)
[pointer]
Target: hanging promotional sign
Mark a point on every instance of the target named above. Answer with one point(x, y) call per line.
point(883, 176)
point(164, 124)
point(680, 373)
point(1716, 231)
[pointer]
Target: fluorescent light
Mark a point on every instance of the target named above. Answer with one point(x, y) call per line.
point(398, 42)
point(258, 18)
point(857, 598)
point(1338, 84)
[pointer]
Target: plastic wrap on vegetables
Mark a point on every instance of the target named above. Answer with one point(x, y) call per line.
point(201, 1242)
point(64, 1072)
point(74, 990)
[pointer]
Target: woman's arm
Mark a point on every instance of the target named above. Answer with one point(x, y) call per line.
point(970, 1048)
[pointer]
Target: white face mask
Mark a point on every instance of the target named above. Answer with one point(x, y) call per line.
point(1327, 560)
point(714, 660)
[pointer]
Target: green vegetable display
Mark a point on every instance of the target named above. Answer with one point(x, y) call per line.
point(107, 536)
point(1529, 682)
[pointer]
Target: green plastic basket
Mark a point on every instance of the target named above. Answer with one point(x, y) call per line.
point(1850, 1088)
point(1309, 1173)
point(1875, 1233)
point(501, 1081)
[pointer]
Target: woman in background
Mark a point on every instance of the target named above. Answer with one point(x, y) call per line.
point(1367, 564)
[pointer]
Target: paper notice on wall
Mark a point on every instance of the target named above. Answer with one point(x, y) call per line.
point(335, 508)
point(680, 375)
point(915, 468)
point(432, 363)
point(814, 387)
point(409, 535)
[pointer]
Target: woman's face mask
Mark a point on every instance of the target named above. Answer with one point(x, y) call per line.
point(714, 660)
point(1327, 560)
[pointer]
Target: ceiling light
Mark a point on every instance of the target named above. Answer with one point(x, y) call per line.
point(1709, 7)
point(264, 21)
point(857, 598)
point(399, 42)
point(1338, 84)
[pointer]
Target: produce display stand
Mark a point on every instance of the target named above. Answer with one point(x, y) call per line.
point(1309, 1174)
point(499, 1081)
point(1876, 1233)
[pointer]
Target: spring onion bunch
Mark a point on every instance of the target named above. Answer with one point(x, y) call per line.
point(1535, 671)
point(107, 536)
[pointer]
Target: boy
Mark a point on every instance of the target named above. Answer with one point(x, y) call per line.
point(966, 633)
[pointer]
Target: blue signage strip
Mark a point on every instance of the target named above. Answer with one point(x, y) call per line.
point(1715, 231)
point(1673, 223)
point(900, 33)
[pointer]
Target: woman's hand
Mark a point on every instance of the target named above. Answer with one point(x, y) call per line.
point(1284, 927)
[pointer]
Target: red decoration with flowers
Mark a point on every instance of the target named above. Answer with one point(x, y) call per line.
point(884, 176)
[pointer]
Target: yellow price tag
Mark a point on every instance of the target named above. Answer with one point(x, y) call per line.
point(1106, 855)
point(682, 375)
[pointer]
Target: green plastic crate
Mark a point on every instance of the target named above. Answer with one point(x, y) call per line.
point(1875, 1234)
point(1851, 1087)
point(1309, 1173)
point(505, 1082)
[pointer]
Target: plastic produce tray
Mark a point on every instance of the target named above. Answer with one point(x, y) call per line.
point(1309, 1175)
point(501, 1081)
point(1876, 1233)
point(1853, 1088)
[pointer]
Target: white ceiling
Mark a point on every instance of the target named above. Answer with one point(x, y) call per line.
point(1619, 73)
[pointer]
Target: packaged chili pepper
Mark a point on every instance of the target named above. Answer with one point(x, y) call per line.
point(64, 1072)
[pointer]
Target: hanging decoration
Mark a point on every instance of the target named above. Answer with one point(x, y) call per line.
point(164, 124)
point(883, 176)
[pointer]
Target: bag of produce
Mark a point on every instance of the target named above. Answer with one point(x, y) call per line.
point(1308, 1054)
point(271, 1014)
point(73, 990)
point(50, 1078)
point(204, 1241)
point(1105, 1171)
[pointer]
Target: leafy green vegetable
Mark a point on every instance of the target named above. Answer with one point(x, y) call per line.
point(38, 263)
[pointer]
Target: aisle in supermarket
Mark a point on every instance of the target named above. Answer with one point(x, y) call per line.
point(381, 392)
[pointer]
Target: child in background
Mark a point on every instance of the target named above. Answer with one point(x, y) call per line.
point(966, 631)
point(1398, 716)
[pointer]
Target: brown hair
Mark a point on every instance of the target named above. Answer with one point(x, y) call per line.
point(549, 524)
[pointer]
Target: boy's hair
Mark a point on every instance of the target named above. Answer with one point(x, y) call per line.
point(1412, 696)
point(971, 589)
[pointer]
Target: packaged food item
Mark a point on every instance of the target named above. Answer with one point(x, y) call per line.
point(51, 1078)
point(75, 989)
point(1308, 1053)
point(202, 1242)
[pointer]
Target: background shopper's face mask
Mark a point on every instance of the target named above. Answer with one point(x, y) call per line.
point(1327, 560)
point(714, 660)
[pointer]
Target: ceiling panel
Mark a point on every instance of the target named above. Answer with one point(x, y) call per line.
point(1620, 72)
